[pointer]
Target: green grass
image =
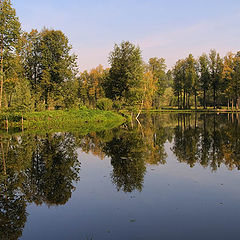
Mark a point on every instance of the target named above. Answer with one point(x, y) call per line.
point(82, 121)
point(202, 110)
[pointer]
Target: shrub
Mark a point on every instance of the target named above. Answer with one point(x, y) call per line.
point(117, 105)
point(104, 104)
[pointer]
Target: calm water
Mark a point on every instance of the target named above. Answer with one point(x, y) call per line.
point(172, 177)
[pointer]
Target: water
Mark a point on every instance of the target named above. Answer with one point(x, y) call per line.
point(175, 176)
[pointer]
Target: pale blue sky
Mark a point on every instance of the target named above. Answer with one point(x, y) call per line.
point(171, 29)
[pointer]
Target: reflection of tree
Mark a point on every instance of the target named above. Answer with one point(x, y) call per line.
point(186, 145)
point(154, 137)
point(127, 154)
point(95, 142)
point(53, 171)
point(12, 202)
point(214, 141)
point(34, 169)
point(231, 143)
point(12, 212)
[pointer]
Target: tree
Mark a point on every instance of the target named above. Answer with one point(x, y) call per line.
point(228, 73)
point(158, 67)
point(236, 79)
point(150, 86)
point(57, 64)
point(191, 83)
point(216, 68)
point(9, 36)
point(178, 80)
point(31, 59)
point(204, 78)
point(125, 75)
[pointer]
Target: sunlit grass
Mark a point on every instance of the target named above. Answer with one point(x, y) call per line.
point(82, 121)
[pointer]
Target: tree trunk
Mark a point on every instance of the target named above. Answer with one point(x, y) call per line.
point(237, 103)
point(184, 94)
point(228, 104)
point(214, 97)
point(204, 93)
point(178, 100)
point(140, 110)
point(181, 100)
point(1, 74)
point(195, 100)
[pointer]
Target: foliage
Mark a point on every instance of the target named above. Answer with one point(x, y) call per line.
point(9, 36)
point(124, 81)
point(104, 104)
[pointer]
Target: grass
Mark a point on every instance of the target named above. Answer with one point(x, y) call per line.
point(82, 121)
point(208, 110)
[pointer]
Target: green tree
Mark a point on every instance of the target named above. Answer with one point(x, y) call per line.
point(126, 74)
point(178, 80)
point(228, 74)
point(158, 68)
point(216, 69)
point(31, 59)
point(236, 79)
point(58, 65)
point(192, 83)
point(9, 36)
point(204, 77)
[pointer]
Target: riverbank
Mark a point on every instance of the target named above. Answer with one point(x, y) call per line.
point(200, 110)
point(82, 121)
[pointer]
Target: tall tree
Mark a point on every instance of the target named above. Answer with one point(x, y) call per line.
point(58, 65)
point(178, 80)
point(31, 58)
point(236, 79)
point(204, 77)
point(126, 74)
point(192, 83)
point(216, 68)
point(158, 68)
point(9, 35)
point(228, 73)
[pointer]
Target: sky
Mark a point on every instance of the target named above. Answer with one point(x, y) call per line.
point(161, 28)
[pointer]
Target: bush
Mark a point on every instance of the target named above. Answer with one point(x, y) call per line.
point(83, 107)
point(104, 104)
point(117, 105)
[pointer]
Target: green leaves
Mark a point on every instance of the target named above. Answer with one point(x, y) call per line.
point(126, 73)
point(9, 26)
point(9, 36)
point(48, 64)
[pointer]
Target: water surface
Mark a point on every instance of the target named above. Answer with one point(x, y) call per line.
point(173, 176)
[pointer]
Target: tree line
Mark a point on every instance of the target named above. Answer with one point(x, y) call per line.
point(210, 79)
point(38, 71)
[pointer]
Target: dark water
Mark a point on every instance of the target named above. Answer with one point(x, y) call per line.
point(172, 177)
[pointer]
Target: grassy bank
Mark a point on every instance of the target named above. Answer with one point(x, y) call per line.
point(201, 110)
point(82, 121)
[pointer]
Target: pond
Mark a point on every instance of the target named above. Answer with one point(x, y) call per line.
point(168, 176)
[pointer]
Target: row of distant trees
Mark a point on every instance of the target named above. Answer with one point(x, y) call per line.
point(210, 79)
point(39, 71)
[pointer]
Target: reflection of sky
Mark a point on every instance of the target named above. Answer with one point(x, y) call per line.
point(169, 29)
point(177, 202)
